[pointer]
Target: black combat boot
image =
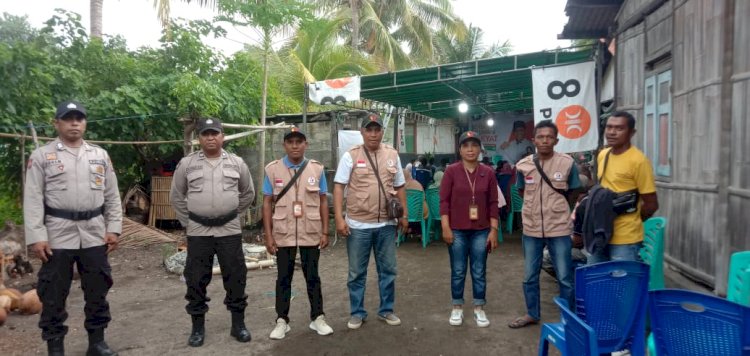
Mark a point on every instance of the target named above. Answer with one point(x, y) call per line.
point(56, 347)
point(97, 346)
point(199, 331)
point(239, 331)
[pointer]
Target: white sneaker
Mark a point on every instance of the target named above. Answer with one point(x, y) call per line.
point(481, 318)
point(320, 326)
point(457, 317)
point(279, 332)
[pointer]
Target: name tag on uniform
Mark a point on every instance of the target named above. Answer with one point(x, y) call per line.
point(361, 163)
point(529, 180)
point(278, 182)
point(297, 208)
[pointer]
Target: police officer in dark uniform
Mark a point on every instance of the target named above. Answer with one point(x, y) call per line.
point(72, 214)
point(210, 189)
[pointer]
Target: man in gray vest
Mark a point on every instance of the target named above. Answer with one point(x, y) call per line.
point(72, 215)
point(210, 189)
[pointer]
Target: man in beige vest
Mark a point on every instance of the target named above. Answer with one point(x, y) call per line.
point(210, 189)
point(366, 224)
point(546, 217)
point(295, 215)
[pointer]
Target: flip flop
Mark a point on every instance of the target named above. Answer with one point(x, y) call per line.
point(522, 322)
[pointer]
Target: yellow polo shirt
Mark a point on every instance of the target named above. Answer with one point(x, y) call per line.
point(627, 171)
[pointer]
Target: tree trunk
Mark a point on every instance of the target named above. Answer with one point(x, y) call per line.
point(96, 18)
point(354, 5)
point(264, 96)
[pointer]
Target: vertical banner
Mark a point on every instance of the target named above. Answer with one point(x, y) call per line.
point(401, 134)
point(565, 95)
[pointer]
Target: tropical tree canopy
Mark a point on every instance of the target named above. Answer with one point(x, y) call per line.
point(131, 95)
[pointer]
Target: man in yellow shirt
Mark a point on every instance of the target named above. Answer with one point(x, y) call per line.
point(627, 169)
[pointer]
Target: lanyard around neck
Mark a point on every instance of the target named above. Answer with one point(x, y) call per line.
point(472, 184)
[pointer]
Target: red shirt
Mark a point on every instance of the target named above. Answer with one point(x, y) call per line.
point(455, 196)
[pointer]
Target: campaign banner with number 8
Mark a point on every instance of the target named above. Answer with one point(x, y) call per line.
point(565, 95)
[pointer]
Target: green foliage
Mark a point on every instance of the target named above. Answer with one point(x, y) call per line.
point(268, 15)
point(450, 48)
point(131, 95)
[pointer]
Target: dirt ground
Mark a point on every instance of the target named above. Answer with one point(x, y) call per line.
point(149, 317)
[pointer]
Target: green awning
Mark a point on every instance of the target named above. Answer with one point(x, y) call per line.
point(487, 85)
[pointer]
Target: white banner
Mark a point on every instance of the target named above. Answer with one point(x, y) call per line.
point(347, 140)
point(565, 95)
point(401, 139)
point(334, 91)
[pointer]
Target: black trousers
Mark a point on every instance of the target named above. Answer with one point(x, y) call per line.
point(285, 261)
point(53, 287)
point(200, 259)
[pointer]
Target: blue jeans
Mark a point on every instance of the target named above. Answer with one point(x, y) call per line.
point(469, 244)
point(627, 252)
point(358, 246)
point(559, 251)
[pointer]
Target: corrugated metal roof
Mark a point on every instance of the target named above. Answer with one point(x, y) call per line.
point(487, 85)
point(589, 19)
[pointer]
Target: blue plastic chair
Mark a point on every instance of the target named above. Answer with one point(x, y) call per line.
point(572, 336)
point(690, 323)
point(611, 298)
point(738, 289)
point(415, 207)
point(652, 251)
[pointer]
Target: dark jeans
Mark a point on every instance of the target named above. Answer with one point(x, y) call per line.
point(55, 278)
point(469, 246)
point(285, 262)
point(200, 258)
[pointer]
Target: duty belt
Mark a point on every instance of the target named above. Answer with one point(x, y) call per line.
point(214, 221)
point(73, 215)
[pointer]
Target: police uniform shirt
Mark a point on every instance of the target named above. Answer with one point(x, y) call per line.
point(211, 191)
point(62, 178)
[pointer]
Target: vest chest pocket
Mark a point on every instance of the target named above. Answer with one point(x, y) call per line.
point(96, 176)
point(195, 181)
point(313, 195)
point(231, 179)
point(54, 178)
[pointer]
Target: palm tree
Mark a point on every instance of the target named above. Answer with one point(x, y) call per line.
point(386, 26)
point(450, 48)
point(163, 8)
point(313, 54)
point(162, 12)
point(95, 9)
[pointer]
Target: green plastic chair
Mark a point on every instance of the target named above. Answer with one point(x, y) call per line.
point(414, 203)
point(739, 278)
point(516, 205)
point(433, 206)
point(652, 252)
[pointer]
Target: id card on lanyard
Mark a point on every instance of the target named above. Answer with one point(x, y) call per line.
point(473, 207)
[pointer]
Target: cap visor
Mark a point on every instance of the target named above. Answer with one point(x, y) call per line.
point(66, 112)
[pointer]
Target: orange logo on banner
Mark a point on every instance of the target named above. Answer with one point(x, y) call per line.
point(338, 83)
point(573, 121)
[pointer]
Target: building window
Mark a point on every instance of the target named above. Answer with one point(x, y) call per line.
point(657, 128)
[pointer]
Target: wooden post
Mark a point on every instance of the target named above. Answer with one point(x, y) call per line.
point(723, 248)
